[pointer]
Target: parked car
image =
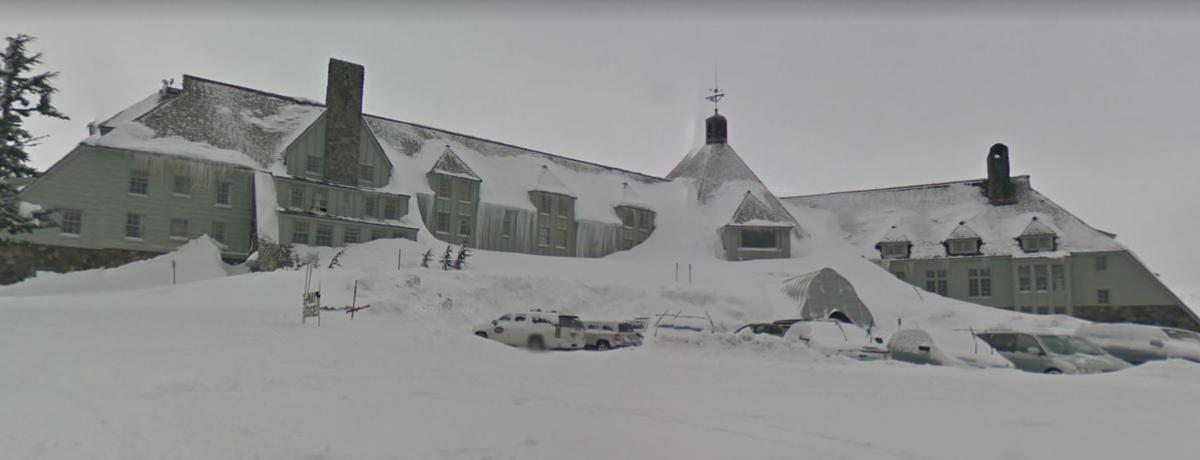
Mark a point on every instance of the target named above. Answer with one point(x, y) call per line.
point(604, 335)
point(951, 348)
point(763, 328)
point(536, 330)
point(833, 337)
point(1052, 353)
point(630, 333)
point(1138, 343)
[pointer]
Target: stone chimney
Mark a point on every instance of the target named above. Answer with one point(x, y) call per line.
point(999, 182)
point(343, 121)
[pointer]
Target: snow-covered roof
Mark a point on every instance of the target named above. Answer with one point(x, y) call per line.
point(548, 182)
point(930, 214)
point(631, 198)
point(894, 235)
point(711, 167)
point(962, 232)
point(1036, 227)
point(451, 165)
point(753, 213)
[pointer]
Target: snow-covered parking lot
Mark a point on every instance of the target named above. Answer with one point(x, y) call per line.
point(221, 368)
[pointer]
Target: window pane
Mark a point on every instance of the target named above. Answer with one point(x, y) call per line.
point(324, 235)
point(218, 232)
point(371, 206)
point(560, 238)
point(564, 207)
point(1102, 296)
point(351, 235)
point(757, 239)
point(133, 225)
point(72, 221)
point(297, 199)
point(391, 208)
point(179, 228)
point(139, 181)
point(300, 232)
point(1101, 263)
point(312, 164)
point(223, 191)
point(506, 227)
point(378, 234)
point(464, 225)
point(544, 236)
point(443, 222)
point(182, 185)
point(366, 173)
point(1040, 279)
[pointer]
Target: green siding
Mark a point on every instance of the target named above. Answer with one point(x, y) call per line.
point(460, 207)
point(95, 180)
point(338, 230)
point(555, 217)
point(342, 201)
point(311, 142)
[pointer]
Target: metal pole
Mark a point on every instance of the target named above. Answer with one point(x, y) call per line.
point(172, 271)
point(354, 300)
point(676, 272)
point(399, 252)
point(689, 273)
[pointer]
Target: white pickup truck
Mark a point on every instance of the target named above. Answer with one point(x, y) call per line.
point(603, 335)
point(536, 330)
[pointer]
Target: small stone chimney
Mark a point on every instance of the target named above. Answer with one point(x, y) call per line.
point(999, 182)
point(343, 121)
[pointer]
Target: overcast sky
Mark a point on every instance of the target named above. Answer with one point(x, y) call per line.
point(1098, 103)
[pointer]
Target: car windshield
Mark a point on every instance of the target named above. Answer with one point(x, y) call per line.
point(1057, 344)
point(625, 327)
point(1083, 346)
point(1183, 335)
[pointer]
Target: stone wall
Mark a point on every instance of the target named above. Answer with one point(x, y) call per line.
point(343, 121)
point(19, 260)
point(1161, 315)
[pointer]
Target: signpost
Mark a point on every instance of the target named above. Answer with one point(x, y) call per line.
point(312, 300)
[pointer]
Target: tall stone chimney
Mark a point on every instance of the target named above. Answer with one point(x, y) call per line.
point(999, 182)
point(343, 121)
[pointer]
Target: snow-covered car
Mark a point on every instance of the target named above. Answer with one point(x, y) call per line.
point(1138, 343)
point(536, 330)
point(604, 335)
point(762, 328)
point(833, 337)
point(1052, 353)
point(944, 348)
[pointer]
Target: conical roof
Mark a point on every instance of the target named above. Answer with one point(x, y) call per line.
point(548, 182)
point(451, 165)
point(752, 212)
point(962, 232)
point(1037, 227)
point(711, 167)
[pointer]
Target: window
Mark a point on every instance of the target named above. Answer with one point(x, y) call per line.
point(366, 173)
point(223, 189)
point(628, 243)
point(1003, 342)
point(371, 206)
point(320, 200)
point(391, 208)
point(1038, 243)
point(139, 182)
point(443, 222)
point(297, 196)
point(756, 239)
point(443, 186)
point(964, 247)
point(543, 236)
point(560, 238)
point(894, 250)
point(1040, 280)
point(324, 235)
point(179, 229)
point(936, 282)
point(628, 217)
point(182, 185)
point(72, 222)
point(547, 204)
point(1058, 278)
point(378, 234)
point(299, 232)
point(400, 234)
point(464, 225)
point(218, 232)
point(1101, 263)
point(1060, 310)
point(1027, 344)
point(564, 207)
point(312, 165)
point(645, 219)
point(133, 226)
point(1026, 309)
point(979, 282)
point(519, 318)
point(1043, 310)
point(1023, 279)
point(351, 235)
point(899, 274)
point(1103, 297)
point(464, 191)
point(506, 227)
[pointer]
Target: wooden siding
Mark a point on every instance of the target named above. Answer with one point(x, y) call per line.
point(342, 201)
point(461, 206)
point(311, 142)
point(550, 207)
point(337, 228)
point(95, 180)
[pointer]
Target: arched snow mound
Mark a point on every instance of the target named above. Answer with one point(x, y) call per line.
point(824, 293)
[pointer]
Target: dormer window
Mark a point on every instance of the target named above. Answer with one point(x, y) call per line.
point(894, 250)
point(963, 247)
point(1038, 237)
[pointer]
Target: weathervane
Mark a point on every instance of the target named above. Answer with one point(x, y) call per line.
point(717, 94)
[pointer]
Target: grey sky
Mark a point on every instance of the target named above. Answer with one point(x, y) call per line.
point(1097, 102)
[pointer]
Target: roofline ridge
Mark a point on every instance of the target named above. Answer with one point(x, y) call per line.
point(902, 187)
point(296, 99)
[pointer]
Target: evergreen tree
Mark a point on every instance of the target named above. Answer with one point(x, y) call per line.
point(461, 260)
point(427, 258)
point(448, 257)
point(23, 94)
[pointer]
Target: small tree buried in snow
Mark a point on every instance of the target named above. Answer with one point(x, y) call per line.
point(428, 257)
point(461, 260)
point(448, 258)
point(273, 256)
point(22, 95)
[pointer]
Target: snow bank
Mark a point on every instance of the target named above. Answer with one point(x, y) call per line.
point(199, 259)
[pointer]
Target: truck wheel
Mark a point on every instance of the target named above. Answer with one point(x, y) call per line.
point(601, 346)
point(481, 334)
point(536, 343)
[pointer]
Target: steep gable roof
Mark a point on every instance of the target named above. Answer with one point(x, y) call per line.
point(1036, 227)
point(548, 182)
point(894, 235)
point(752, 212)
point(451, 165)
point(962, 232)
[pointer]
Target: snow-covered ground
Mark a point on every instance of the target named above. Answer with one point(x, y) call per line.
point(220, 367)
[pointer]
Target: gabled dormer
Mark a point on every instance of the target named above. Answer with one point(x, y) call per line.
point(963, 241)
point(894, 245)
point(637, 217)
point(555, 222)
point(455, 199)
point(1038, 237)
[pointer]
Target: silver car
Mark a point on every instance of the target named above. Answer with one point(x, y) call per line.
point(1052, 353)
point(1138, 343)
